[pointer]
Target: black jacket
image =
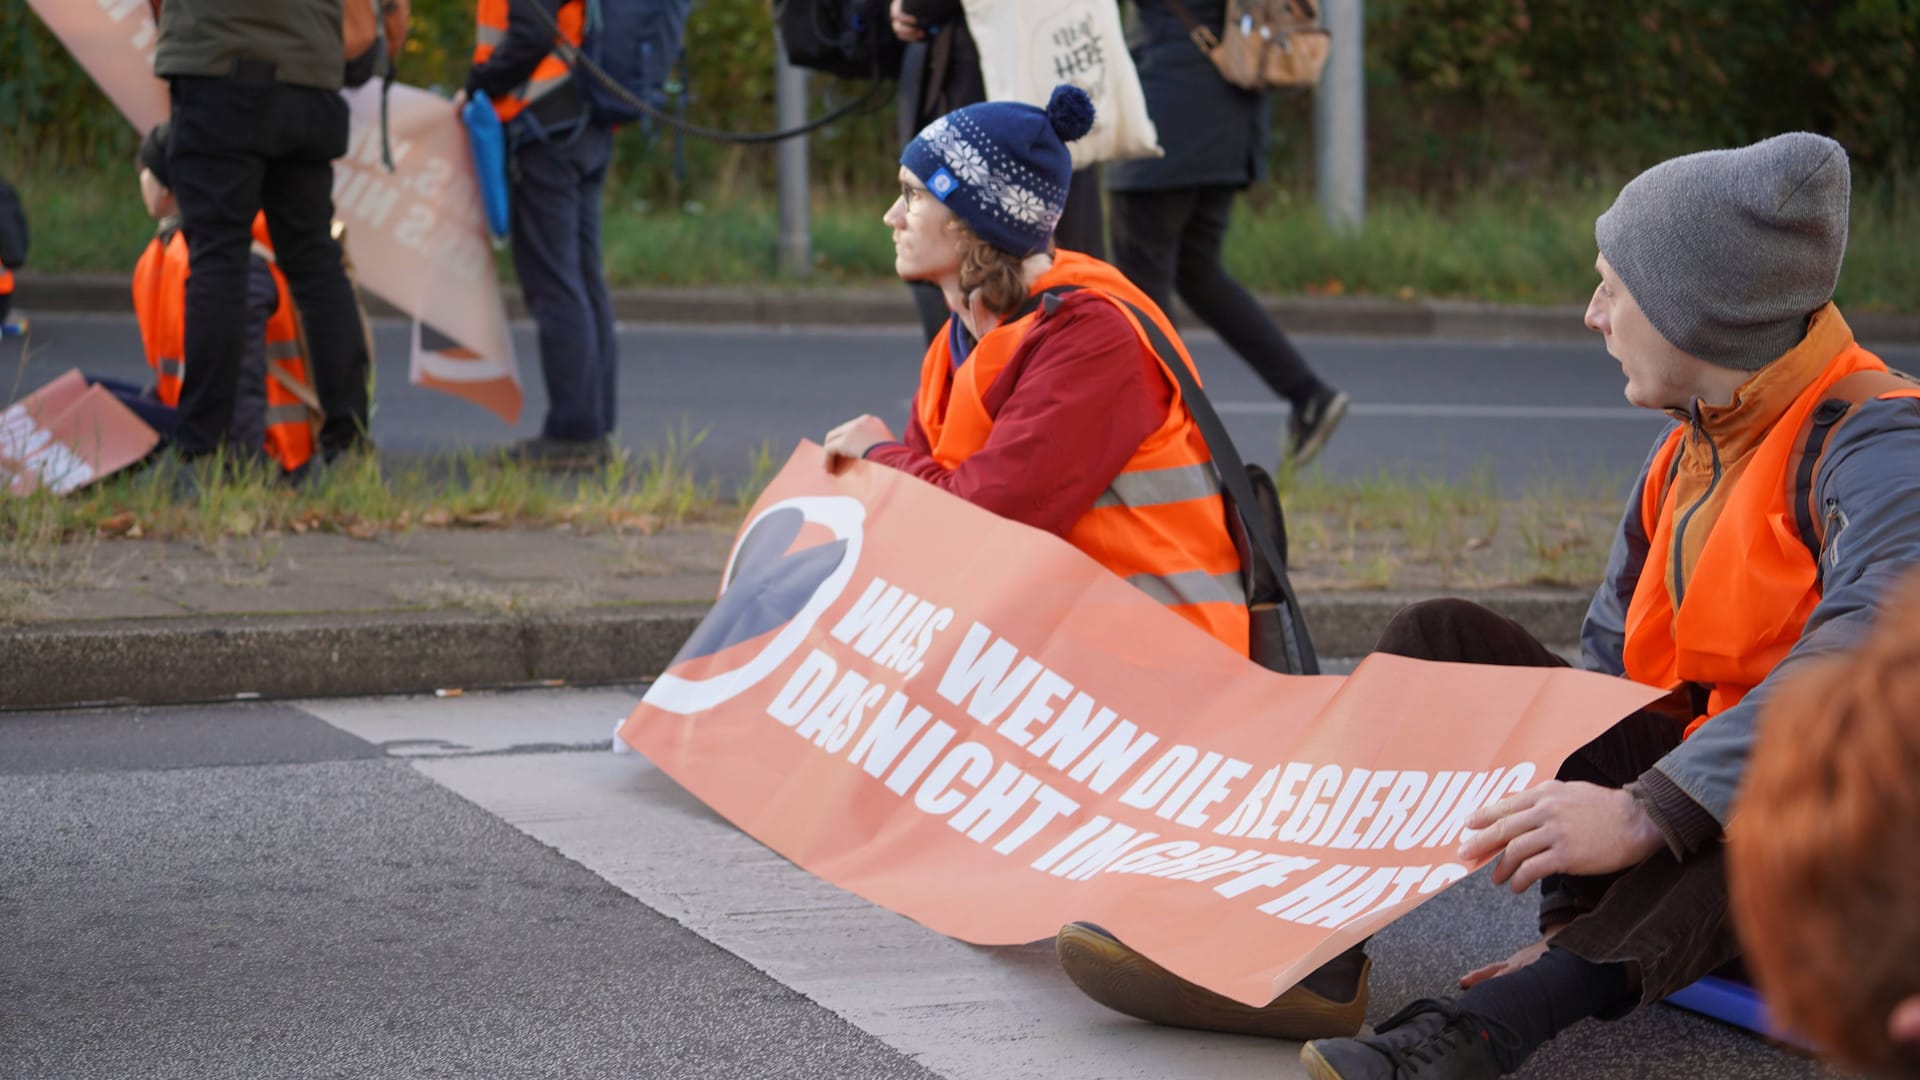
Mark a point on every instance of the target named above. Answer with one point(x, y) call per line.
point(13, 229)
point(1212, 131)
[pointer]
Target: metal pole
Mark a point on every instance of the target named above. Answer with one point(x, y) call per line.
point(790, 106)
point(1340, 118)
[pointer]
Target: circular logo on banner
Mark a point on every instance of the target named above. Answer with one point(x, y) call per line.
point(781, 577)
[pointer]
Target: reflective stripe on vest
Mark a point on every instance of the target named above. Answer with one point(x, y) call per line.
point(295, 413)
point(173, 366)
point(1158, 487)
point(1161, 524)
point(1192, 587)
point(1753, 585)
point(549, 75)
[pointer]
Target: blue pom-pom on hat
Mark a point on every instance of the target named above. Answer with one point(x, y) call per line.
point(1070, 111)
point(1004, 165)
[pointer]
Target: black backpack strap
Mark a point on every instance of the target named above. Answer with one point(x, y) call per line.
point(1843, 399)
point(1227, 466)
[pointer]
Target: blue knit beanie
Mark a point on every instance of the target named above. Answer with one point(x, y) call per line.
point(1003, 167)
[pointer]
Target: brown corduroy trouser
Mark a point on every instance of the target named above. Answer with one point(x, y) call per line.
point(1666, 919)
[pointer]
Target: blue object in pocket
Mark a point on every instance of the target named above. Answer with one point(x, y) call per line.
point(489, 142)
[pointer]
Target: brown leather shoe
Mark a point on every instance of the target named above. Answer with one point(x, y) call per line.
point(1124, 981)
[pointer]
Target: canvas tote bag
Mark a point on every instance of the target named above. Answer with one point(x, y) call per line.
point(1027, 47)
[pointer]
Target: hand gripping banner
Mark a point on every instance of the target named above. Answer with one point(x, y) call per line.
point(972, 723)
point(416, 237)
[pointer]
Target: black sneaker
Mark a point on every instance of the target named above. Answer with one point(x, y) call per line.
point(1331, 1001)
point(541, 452)
point(1312, 424)
point(1427, 1040)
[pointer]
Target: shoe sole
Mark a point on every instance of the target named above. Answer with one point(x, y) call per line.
point(1127, 982)
point(1336, 412)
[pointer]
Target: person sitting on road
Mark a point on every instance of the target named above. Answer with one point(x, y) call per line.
point(1767, 527)
point(1821, 867)
point(1053, 408)
point(1054, 411)
point(275, 408)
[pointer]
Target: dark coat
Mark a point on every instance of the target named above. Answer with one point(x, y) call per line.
point(1213, 132)
point(13, 229)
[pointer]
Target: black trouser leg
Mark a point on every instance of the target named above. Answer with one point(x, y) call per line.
point(1147, 227)
point(1083, 223)
point(220, 128)
point(1226, 306)
point(298, 199)
point(1665, 920)
point(551, 182)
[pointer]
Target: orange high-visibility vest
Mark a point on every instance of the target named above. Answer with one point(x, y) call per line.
point(160, 303)
point(293, 407)
point(552, 72)
point(1755, 582)
point(6, 281)
point(1162, 524)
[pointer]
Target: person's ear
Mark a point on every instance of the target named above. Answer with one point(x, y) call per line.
point(1903, 1025)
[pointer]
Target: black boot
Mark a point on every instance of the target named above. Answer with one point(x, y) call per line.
point(1427, 1040)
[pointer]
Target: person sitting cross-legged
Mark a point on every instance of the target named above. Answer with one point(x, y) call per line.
point(1767, 528)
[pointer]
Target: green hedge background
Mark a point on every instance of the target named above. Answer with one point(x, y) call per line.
point(1463, 94)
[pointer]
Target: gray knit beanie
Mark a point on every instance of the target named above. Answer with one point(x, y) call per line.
point(1729, 251)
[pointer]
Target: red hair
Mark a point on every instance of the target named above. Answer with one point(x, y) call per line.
point(1824, 851)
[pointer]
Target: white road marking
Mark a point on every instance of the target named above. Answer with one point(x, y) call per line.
point(1444, 411)
point(963, 1011)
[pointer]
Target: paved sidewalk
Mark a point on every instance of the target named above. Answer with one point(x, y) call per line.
point(325, 615)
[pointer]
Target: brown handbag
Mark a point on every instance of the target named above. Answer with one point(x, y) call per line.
point(1264, 42)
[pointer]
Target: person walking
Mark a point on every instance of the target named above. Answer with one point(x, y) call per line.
point(1170, 214)
point(558, 168)
point(257, 121)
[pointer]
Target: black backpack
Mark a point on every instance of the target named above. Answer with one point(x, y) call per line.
point(852, 39)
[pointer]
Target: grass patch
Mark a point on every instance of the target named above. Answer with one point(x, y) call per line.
point(1518, 244)
point(221, 504)
point(1408, 531)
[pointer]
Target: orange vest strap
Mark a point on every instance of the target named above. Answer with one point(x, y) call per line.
point(1841, 403)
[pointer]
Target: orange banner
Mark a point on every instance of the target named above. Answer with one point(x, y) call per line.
point(66, 435)
point(974, 724)
point(114, 41)
point(417, 236)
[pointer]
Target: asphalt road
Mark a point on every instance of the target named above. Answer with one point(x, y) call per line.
point(475, 887)
point(1533, 413)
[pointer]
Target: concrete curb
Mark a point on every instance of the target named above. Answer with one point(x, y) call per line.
point(869, 306)
point(176, 660)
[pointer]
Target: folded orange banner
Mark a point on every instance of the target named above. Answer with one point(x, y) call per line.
point(66, 435)
point(972, 723)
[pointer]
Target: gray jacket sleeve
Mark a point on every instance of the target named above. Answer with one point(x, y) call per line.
point(1603, 635)
point(1865, 492)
